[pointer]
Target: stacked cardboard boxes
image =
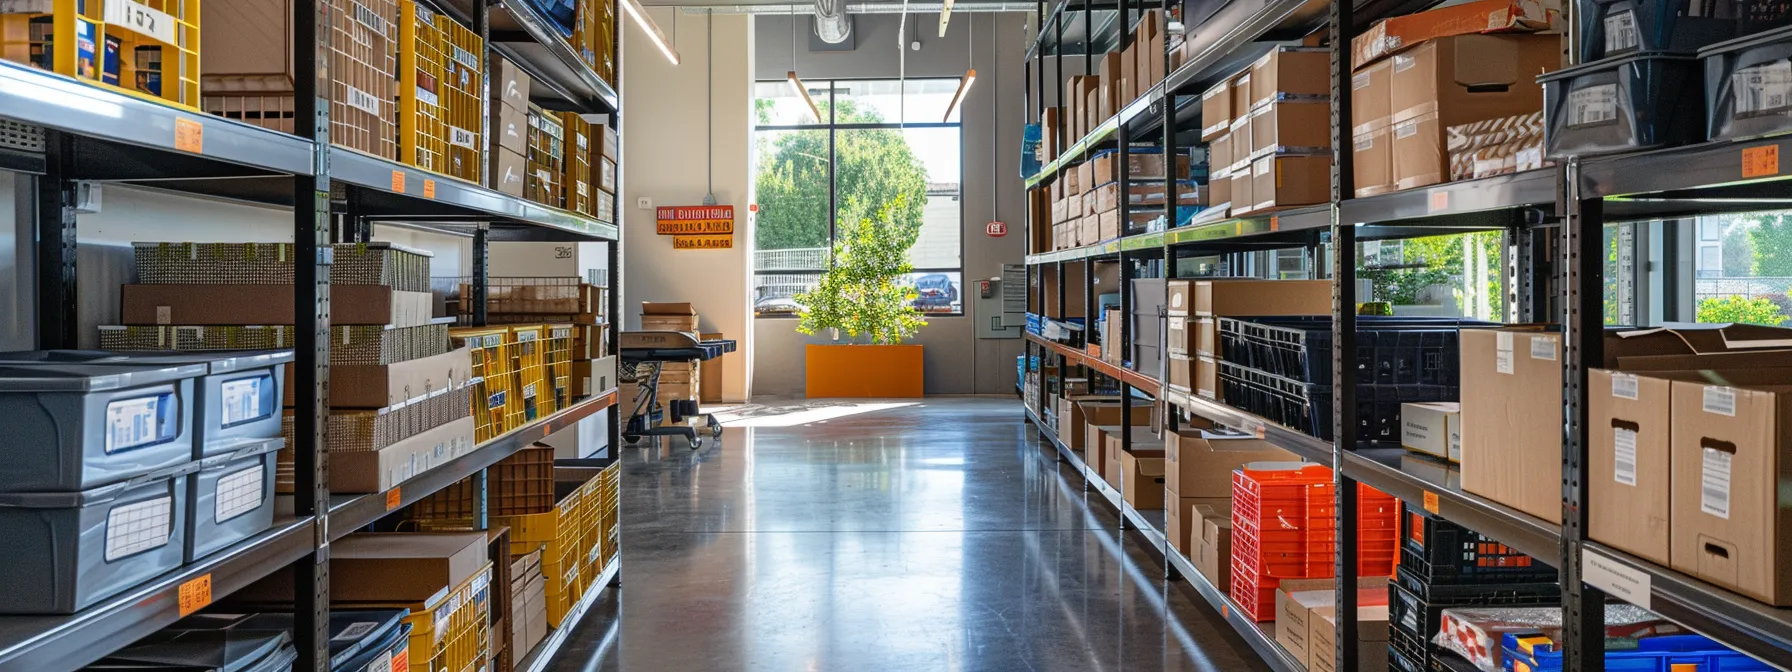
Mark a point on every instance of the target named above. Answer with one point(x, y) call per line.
point(528, 604)
point(1306, 622)
point(1198, 487)
point(1195, 307)
point(510, 126)
point(1268, 133)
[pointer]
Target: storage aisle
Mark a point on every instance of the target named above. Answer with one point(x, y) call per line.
point(936, 535)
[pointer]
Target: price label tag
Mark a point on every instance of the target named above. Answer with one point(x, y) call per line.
point(189, 136)
point(1440, 201)
point(429, 188)
point(398, 181)
point(195, 594)
point(1431, 502)
point(394, 497)
point(1615, 578)
point(1761, 161)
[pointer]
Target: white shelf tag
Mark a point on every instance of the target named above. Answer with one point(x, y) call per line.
point(1615, 578)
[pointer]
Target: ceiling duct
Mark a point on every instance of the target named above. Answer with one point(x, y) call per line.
point(831, 24)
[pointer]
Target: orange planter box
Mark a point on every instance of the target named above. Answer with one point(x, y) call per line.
point(862, 371)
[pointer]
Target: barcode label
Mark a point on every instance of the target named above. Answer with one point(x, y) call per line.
point(381, 664)
point(362, 100)
point(1624, 456)
point(496, 401)
point(1620, 32)
point(461, 137)
point(242, 400)
point(1593, 105)
point(1714, 483)
point(355, 631)
point(1502, 352)
point(1764, 88)
point(427, 96)
point(1720, 400)
point(1624, 386)
point(238, 493)
point(133, 422)
point(1406, 130)
point(370, 18)
point(138, 527)
point(1543, 347)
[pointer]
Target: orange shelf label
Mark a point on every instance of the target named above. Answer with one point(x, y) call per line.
point(195, 594)
point(1431, 502)
point(1440, 200)
point(429, 188)
point(1761, 161)
point(393, 498)
point(401, 660)
point(398, 181)
point(189, 136)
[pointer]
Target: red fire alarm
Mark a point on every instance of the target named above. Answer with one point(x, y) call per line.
point(996, 229)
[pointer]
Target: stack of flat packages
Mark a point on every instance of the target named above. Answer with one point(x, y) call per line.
point(1496, 146)
point(563, 304)
point(678, 380)
point(528, 604)
point(398, 403)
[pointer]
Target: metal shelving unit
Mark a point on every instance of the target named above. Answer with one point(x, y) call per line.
point(63, 132)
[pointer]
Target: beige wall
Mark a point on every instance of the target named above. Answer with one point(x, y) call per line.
point(666, 109)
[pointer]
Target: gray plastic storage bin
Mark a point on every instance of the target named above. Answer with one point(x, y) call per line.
point(232, 496)
point(1622, 104)
point(67, 550)
point(238, 396)
point(74, 427)
point(1748, 86)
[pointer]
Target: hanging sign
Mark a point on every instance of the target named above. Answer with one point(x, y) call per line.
point(714, 241)
point(683, 220)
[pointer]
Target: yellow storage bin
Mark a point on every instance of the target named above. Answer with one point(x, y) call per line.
point(544, 172)
point(452, 632)
point(144, 48)
point(558, 534)
point(497, 404)
point(439, 87)
point(577, 162)
point(559, 344)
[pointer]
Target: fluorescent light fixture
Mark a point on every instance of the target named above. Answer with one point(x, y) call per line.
point(945, 16)
point(653, 31)
point(964, 86)
point(797, 84)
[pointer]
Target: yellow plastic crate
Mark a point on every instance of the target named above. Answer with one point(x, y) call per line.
point(544, 172)
point(155, 44)
point(529, 357)
point(560, 342)
point(594, 36)
point(577, 162)
point(557, 534)
point(610, 498)
point(497, 404)
point(439, 81)
point(452, 633)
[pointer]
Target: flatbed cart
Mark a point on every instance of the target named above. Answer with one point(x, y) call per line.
point(642, 354)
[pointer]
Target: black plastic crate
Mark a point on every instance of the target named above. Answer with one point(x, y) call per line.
point(1390, 350)
point(1416, 616)
point(1305, 407)
point(1745, 96)
point(1622, 104)
point(1438, 552)
point(1398, 661)
point(1618, 27)
point(1378, 407)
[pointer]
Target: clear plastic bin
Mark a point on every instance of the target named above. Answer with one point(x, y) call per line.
point(238, 397)
point(232, 496)
point(73, 427)
point(1622, 104)
point(1748, 86)
point(1619, 27)
point(68, 550)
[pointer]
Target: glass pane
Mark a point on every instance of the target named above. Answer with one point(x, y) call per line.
point(1456, 275)
point(1748, 277)
point(880, 173)
point(773, 292)
point(942, 220)
point(938, 292)
point(777, 103)
point(916, 101)
point(791, 228)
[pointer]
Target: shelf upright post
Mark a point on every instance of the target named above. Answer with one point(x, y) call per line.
point(1058, 63)
point(56, 245)
point(482, 24)
point(613, 273)
point(1127, 300)
point(1088, 44)
point(480, 285)
point(1343, 353)
point(311, 384)
point(1583, 333)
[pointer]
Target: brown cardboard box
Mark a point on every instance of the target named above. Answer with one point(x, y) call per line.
point(667, 308)
point(389, 567)
point(1296, 599)
point(606, 142)
point(1433, 428)
point(1466, 78)
point(1628, 424)
point(1291, 71)
point(1142, 478)
point(1512, 418)
point(1179, 336)
point(1371, 96)
point(1109, 224)
point(389, 467)
point(1219, 152)
point(1092, 108)
point(1252, 298)
point(679, 372)
point(232, 305)
point(1213, 544)
point(1282, 181)
point(1241, 143)
point(371, 386)
point(1112, 350)
point(1182, 527)
point(712, 375)
point(685, 323)
point(1373, 167)
point(1688, 340)
point(1127, 73)
point(1241, 96)
point(1179, 301)
point(1219, 188)
point(511, 169)
point(1106, 168)
point(1151, 55)
point(1207, 378)
point(1207, 338)
point(510, 128)
point(1371, 637)
point(1730, 454)
point(1241, 189)
point(1419, 154)
point(1180, 371)
point(1302, 126)
point(1216, 111)
point(1100, 410)
point(1088, 230)
point(1200, 463)
point(1484, 16)
point(510, 83)
point(1106, 459)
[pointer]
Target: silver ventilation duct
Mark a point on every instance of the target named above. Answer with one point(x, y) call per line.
point(830, 21)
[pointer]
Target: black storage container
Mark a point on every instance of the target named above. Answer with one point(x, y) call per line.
point(1622, 104)
point(1748, 86)
point(1619, 27)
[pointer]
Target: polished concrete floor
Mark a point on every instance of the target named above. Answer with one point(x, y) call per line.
point(939, 535)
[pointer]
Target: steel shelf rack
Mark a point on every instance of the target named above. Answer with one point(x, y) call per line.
point(65, 132)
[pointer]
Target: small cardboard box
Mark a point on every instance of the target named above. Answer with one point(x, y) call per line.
point(1219, 154)
point(1182, 526)
point(1241, 188)
point(1207, 336)
point(1128, 73)
point(1179, 372)
point(1103, 410)
point(1298, 125)
point(1373, 160)
point(1291, 71)
point(512, 167)
point(1104, 454)
point(235, 305)
point(1180, 297)
point(389, 467)
point(510, 84)
point(1199, 463)
point(1241, 143)
point(1179, 336)
point(1255, 298)
point(1219, 188)
point(1627, 477)
point(1420, 157)
point(386, 567)
point(1512, 418)
point(1371, 96)
point(1216, 112)
point(1371, 637)
point(1241, 96)
point(1485, 16)
point(1151, 55)
point(1213, 544)
point(510, 129)
point(1296, 599)
point(1207, 378)
point(1730, 454)
point(380, 386)
point(1433, 428)
point(1290, 181)
point(1142, 478)
point(685, 323)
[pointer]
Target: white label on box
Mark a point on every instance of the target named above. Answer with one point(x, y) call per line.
point(1763, 88)
point(461, 137)
point(1620, 32)
point(1615, 578)
point(139, 17)
point(1360, 81)
point(1720, 400)
point(1406, 130)
point(1502, 355)
point(242, 400)
point(139, 526)
point(1543, 347)
point(362, 100)
point(1404, 62)
point(428, 97)
point(1624, 456)
point(355, 631)
point(1593, 105)
point(239, 492)
point(132, 422)
point(1624, 386)
point(1714, 483)
point(164, 314)
point(1364, 142)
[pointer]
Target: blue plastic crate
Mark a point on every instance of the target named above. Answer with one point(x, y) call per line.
point(1029, 151)
point(1653, 654)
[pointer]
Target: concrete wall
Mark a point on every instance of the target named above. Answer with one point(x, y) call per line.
point(677, 120)
point(957, 361)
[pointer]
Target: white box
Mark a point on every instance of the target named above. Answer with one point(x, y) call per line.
point(1433, 428)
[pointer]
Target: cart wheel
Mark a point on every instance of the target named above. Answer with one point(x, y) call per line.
point(715, 431)
point(631, 438)
point(696, 442)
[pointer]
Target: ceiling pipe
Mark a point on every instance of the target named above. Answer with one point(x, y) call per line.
point(831, 24)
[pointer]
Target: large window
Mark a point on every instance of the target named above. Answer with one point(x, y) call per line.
point(1743, 269)
point(878, 144)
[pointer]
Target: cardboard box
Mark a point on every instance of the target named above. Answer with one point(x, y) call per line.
point(1371, 637)
point(1182, 526)
point(381, 470)
point(1512, 418)
point(1241, 143)
point(1371, 96)
point(1100, 410)
point(606, 142)
point(510, 84)
point(1105, 168)
point(511, 169)
point(1433, 428)
point(1207, 378)
point(1088, 231)
point(1372, 168)
point(1241, 189)
point(1142, 478)
point(1216, 111)
point(1296, 599)
point(236, 305)
point(1241, 96)
point(1180, 297)
point(510, 129)
point(684, 323)
point(1727, 523)
point(1207, 336)
point(1105, 444)
point(1179, 337)
point(1627, 479)
point(1219, 153)
point(1298, 126)
point(1291, 71)
point(1420, 157)
point(1283, 181)
point(1256, 298)
point(1179, 372)
point(1633, 344)
point(1199, 463)
point(1485, 16)
point(392, 568)
point(1219, 188)
point(380, 386)
point(1469, 78)
point(1213, 544)
point(1153, 36)
point(1126, 73)
point(682, 391)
